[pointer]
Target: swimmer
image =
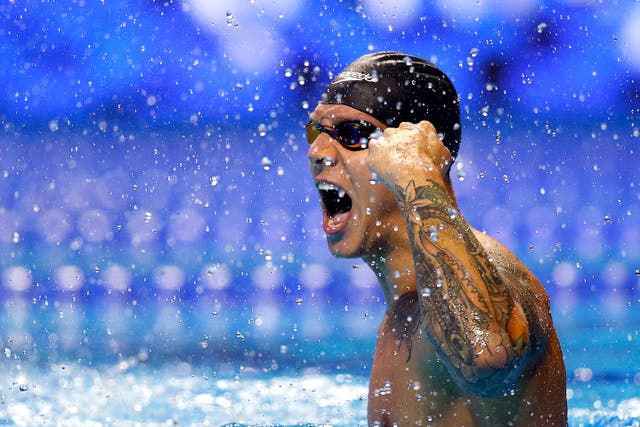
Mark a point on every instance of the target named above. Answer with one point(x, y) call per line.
point(467, 337)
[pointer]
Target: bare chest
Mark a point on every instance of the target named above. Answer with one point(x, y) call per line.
point(408, 382)
point(410, 385)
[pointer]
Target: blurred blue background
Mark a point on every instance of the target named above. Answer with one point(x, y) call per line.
point(154, 151)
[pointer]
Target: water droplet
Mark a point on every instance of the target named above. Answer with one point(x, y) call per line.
point(433, 233)
point(541, 27)
point(23, 387)
point(426, 292)
point(266, 163)
point(230, 22)
point(329, 161)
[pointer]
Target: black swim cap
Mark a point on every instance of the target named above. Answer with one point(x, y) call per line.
point(395, 87)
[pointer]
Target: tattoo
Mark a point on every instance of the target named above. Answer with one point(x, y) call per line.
point(462, 298)
point(405, 320)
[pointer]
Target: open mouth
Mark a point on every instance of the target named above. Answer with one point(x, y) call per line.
point(334, 199)
point(337, 205)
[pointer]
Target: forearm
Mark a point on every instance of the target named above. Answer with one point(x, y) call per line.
point(464, 301)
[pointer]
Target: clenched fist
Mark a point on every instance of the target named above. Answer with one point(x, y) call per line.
point(410, 150)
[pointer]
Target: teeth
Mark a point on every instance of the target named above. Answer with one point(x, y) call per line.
point(328, 186)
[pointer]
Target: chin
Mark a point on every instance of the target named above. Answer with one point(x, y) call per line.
point(342, 249)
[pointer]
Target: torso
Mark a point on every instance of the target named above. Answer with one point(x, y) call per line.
point(409, 385)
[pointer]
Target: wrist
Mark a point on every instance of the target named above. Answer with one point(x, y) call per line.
point(419, 173)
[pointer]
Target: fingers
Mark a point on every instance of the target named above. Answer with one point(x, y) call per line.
point(423, 125)
point(421, 142)
point(427, 126)
point(409, 148)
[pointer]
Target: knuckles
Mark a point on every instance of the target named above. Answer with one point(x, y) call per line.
point(408, 145)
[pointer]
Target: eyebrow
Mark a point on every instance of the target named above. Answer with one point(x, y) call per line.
point(336, 119)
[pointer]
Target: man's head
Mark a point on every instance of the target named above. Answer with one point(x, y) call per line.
point(360, 215)
point(395, 87)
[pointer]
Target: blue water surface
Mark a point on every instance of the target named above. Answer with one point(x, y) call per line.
point(97, 366)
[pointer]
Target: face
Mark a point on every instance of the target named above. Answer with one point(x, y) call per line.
point(360, 217)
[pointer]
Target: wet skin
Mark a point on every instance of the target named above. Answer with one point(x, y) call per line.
point(467, 338)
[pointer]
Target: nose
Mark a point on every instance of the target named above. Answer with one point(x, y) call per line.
point(322, 153)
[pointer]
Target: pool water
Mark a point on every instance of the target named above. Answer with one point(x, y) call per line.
point(162, 260)
point(166, 364)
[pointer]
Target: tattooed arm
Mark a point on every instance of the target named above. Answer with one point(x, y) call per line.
point(465, 304)
point(467, 309)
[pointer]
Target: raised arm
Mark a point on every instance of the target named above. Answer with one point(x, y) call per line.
point(466, 306)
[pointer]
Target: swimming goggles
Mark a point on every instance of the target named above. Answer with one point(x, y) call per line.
point(353, 134)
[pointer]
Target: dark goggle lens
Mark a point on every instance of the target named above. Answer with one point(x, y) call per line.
point(313, 132)
point(352, 134)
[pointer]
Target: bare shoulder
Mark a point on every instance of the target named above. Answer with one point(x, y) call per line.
point(524, 286)
point(514, 271)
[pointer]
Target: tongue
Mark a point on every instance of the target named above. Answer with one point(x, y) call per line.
point(336, 222)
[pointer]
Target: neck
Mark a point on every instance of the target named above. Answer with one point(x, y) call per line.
point(395, 273)
point(394, 265)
